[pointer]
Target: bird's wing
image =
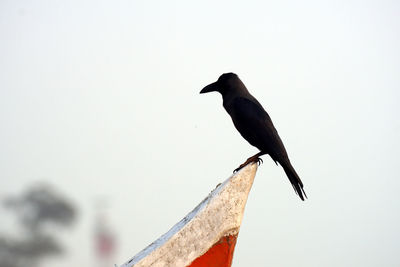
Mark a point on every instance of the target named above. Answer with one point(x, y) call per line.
point(255, 125)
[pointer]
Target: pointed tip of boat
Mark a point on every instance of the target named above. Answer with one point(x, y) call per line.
point(207, 235)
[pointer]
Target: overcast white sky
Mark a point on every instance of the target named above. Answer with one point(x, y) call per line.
point(101, 99)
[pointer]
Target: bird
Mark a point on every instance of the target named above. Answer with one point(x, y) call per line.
point(255, 125)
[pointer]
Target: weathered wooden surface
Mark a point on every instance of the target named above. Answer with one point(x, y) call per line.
point(207, 233)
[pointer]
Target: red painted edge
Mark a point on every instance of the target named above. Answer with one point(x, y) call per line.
point(219, 255)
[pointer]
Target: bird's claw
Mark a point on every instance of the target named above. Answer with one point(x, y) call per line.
point(238, 168)
point(259, 161)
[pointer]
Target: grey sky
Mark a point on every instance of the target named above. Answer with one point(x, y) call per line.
point(101, 98)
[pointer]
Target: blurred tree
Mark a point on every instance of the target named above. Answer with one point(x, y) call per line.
point(36, 209)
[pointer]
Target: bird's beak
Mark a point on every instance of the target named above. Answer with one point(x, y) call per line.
point(209, 88)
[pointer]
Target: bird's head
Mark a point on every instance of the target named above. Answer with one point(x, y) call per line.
point(226, 83)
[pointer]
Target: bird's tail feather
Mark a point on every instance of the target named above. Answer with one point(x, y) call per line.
point(294, 179)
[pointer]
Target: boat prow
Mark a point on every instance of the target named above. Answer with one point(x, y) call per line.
point(207, 235)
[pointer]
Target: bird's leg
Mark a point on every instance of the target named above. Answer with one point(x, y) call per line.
point(255, 158)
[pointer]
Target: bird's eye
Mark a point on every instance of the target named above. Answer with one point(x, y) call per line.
point(223, 78)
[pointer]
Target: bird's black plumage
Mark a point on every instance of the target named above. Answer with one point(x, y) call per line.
point(254, 124)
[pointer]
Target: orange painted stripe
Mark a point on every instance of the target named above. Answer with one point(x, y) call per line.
point(219, 255)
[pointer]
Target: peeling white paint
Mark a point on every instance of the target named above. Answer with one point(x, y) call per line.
point(219, 214)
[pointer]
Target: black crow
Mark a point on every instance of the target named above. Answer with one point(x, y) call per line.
point(254, 124)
